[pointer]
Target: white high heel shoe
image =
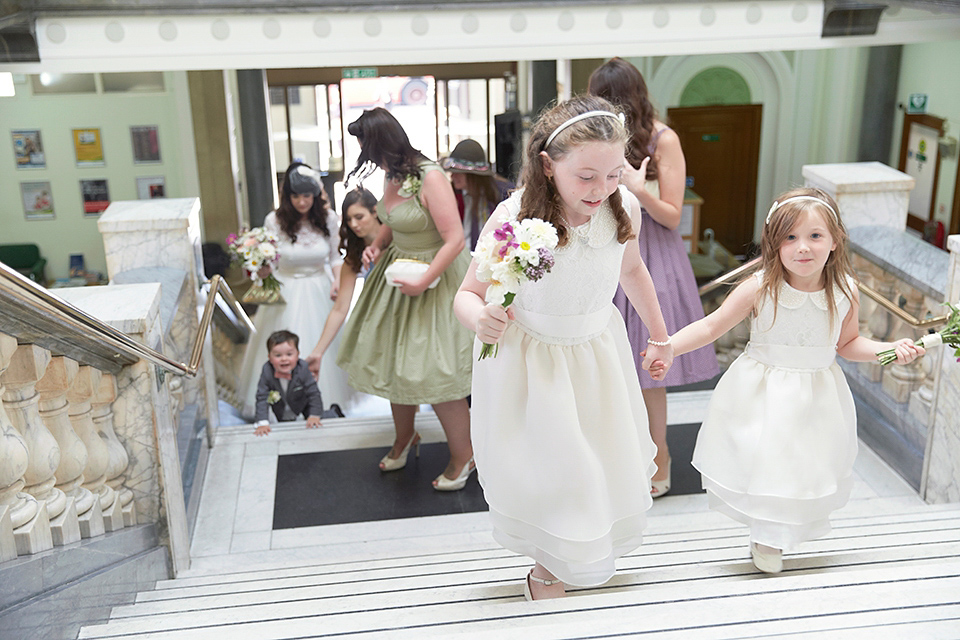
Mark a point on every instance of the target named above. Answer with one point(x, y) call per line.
point(659, 488)
point(443, 483)
point(395, 464)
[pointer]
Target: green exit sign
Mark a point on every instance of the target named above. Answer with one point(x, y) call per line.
point(359, 72)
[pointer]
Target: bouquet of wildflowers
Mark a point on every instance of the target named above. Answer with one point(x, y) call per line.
point(254, 249)
point(949, 335)
point(516, 252)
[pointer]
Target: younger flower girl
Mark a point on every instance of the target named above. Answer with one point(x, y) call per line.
point(776, 450)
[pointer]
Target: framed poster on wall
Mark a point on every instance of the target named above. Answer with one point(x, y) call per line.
point(95, 196)
point(146, 144)
point(88, 147)
point(28, 149)
point(149, 187)
point(920, 158)
point(37, 200)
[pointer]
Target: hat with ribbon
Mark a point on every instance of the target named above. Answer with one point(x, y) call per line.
point(468, 157)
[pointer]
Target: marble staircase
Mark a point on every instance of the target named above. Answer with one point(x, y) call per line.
point(889, 569)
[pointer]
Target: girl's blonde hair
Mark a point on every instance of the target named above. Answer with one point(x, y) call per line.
point(540, 197)
point(781, 222)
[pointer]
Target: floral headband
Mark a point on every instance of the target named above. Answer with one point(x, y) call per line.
point(777, 205)
point(582, 116)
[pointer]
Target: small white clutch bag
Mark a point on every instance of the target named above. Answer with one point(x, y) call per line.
point(406, 267)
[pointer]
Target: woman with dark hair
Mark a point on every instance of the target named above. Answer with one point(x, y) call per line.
point(402, 341)
point(655, 172)
point(359, 227)
point(308, 267)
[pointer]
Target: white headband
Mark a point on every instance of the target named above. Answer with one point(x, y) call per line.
point(777, 205)
point(582, 116)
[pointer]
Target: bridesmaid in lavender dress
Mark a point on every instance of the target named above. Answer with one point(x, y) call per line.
point(656, 174)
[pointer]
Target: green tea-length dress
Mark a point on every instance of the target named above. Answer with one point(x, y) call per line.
point(409, 349)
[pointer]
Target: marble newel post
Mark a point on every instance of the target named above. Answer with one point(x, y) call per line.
point(22, 402)
point(165, 232)
point(136, 407)
point(941, 471)
point(20, 513)
point(868, 193)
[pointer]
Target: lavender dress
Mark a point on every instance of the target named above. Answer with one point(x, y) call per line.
point(666, 258)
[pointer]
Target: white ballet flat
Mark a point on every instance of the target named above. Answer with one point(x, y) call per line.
point(526, 585)
point(395, 464)
point(443, 483)
point(660, 488)
point(767, 561)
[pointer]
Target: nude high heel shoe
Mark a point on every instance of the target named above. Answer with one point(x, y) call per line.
point(395, 464)
point(526, 585)
point(660, 488)
point(443, 483)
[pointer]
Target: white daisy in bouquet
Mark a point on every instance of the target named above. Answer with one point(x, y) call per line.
point(255, 249)
point(516, 252)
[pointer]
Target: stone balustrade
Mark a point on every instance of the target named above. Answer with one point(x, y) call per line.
point(55, 460)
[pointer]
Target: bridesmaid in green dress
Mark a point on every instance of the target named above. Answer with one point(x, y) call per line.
point(403, 342)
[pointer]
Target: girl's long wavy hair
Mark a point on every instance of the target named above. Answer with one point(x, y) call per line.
point(351, 244)
point(383, 143)
point(290, 219)
point(540, 197)
point(775, 232)
point(622, 84)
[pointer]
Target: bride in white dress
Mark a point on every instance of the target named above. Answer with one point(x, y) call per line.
point(309, 264)
point(559, 427)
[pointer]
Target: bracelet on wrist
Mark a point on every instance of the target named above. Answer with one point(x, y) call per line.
point(657, 343)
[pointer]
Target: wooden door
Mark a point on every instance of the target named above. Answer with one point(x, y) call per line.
point(721, 145)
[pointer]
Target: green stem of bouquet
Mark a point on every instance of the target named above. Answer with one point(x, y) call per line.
point(490, 350)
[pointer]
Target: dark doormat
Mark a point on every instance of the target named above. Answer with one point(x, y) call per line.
point(337, 487)
point(685, 479)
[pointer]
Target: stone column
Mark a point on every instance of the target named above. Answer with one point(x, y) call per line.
point(82, 509)
point(27, 517)
point(868, 193)
point(22, 401)
point(901, 380)
point(123, 511)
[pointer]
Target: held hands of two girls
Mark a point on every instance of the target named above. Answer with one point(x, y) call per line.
point(657, 360)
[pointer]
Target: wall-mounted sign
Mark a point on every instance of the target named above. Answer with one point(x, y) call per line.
point(917, 103)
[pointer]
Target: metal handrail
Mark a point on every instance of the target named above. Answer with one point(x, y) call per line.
point(873, 294)
point(41, 300)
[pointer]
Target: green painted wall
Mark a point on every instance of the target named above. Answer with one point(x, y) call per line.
point(55, 116)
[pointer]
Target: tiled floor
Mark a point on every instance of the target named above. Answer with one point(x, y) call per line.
point(236, 509)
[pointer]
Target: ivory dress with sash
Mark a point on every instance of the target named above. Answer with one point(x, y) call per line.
point(559, 428)
point(776, 450)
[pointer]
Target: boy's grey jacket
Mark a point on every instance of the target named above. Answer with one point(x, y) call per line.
point(303, 395)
